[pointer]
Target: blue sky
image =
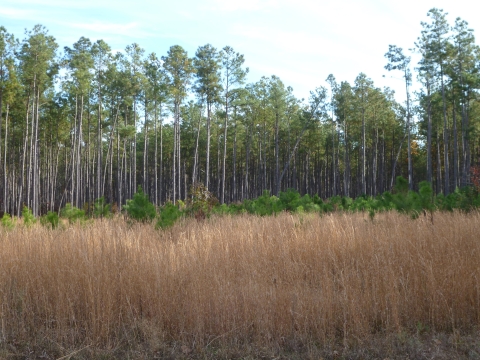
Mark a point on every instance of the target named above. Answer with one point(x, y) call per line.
point(300, 41)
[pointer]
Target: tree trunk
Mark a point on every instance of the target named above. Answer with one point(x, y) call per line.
point(445, 137)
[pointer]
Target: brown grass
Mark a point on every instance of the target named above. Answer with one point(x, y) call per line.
point(273, 285)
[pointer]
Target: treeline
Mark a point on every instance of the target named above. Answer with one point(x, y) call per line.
point(88, 123)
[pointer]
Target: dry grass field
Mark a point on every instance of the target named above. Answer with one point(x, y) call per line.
point(290, 286)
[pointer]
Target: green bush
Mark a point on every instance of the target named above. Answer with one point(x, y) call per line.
point(411, 203)
point(169, 214)
point(140, 208)
point(72, 213)
point(28, 218)
point(8, 222)
point(50, 219)
point(290, 200)
point(265, 205)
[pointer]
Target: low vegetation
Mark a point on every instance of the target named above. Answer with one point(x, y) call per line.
point(308, 285)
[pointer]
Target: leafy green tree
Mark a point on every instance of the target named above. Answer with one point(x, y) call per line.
point(208, 87)
point(157, 82)
point(398, 61)
point(38, 66)
point(466, 78)
point(102, 59)
point(8, 45)
point(233, 76)
point(437, 53)
point(79, 63)
point(178, 70)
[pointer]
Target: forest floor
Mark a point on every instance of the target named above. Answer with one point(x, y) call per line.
point(303, 286)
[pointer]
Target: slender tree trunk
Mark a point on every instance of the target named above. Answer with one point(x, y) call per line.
point(79, 156)
point(31, 151)
point(277, 155)
point(145, 151)
point(224, 162)
point(157, 203)
point(445, 138)
point(429, 135)
point(364, 159)
point(234, 178)
point(346, 178)
point(392, 180)
point(36, 166)
point(5, 183)
point(98, 192)
point(455, 146)
point(207, 166)
point(439, 167)
point(179, 163)
point(195, 158)
point(409, 148)
point(175, 122)
point(161, 157)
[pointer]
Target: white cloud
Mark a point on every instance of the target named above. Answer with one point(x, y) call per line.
point(19, 14)
point(244, 5)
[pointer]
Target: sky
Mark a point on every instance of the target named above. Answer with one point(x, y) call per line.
point(301, 41)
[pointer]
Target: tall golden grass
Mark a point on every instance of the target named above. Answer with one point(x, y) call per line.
point(272, 281)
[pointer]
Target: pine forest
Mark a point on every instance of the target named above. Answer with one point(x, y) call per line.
point(85, 123)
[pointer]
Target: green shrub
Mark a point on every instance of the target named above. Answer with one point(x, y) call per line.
point(426, 198)
point(169, 214)
point(28, 218)
point(290, 200)
point(72, 213)
point(140, 208)
point(50, 219)
point(401, 185)
point(266, 205)
point(8, 222)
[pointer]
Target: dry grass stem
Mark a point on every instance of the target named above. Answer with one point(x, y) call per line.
point(284, 282)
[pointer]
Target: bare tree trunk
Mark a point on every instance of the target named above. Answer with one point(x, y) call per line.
point(98, 192)
point(277, 156)
point(364, 158)
point(134, 187)
point(175, 125)
point(439, 167)
point(195, 158)
point(5, 184)
point(409, 142)
point(346, 177)
point(207, 166)
point(455, 146)
point(145, 151)
point(79, 156)
point(445, 138)
point(224, 162)
point(156, 154)
point(234, 179)
point(179, 163)
point(429, 136)
point(161, 157)
point(36, 162)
